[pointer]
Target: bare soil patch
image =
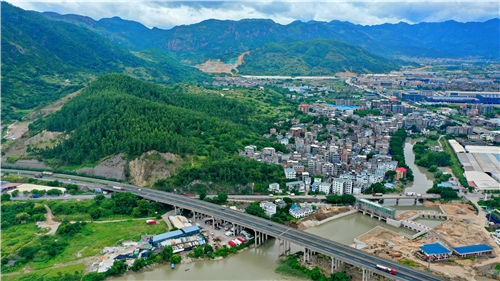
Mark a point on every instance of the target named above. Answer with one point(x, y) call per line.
point(218, 66)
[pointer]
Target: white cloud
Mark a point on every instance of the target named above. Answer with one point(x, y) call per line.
point(166, 14)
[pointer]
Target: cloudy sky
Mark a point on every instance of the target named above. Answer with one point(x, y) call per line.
point(166, 14)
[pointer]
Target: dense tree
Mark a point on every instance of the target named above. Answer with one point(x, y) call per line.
point(118, 268)
point(175, 259)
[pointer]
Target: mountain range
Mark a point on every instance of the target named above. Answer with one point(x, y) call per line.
point(43, 60)
point(224, 38)
point(313, 57)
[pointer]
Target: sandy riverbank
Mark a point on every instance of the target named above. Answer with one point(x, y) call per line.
point(322, 214)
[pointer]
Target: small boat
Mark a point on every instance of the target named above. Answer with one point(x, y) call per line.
point(173, 265)
point(186, 269)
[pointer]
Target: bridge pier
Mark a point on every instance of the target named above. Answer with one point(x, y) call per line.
point(367, 274)
point(415, 201)
point(397, 201)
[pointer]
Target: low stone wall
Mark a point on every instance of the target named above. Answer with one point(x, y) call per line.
point(337, 216)
point(415, 226)
point(442, 210)
point(392, 222)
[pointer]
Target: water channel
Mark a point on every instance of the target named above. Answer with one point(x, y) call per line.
point(260, 263)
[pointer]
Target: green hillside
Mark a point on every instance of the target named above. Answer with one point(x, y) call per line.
point(43, 60)
point(119, 114)
point(313, 57)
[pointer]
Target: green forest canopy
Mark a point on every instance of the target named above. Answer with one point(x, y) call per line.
point(313, 57)
point(44, 60)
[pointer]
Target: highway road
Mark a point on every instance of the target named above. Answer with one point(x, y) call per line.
point(311, 241)
point(98, 183)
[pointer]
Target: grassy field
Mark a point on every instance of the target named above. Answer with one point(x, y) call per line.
point(50, 272)
point(455, 166)
point(18, 236)
point(86, 244)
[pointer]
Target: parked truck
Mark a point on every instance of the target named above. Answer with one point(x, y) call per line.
point(118, 187)
point(35, 196)
point(38, 176)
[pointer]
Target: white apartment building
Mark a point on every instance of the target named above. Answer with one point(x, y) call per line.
point(274, 187)
point(324, 187)
point(290, 173)
point(300, 212)
point(338, 186)
point(269, 208)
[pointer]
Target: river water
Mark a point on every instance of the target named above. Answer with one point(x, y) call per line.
point(260, 263)
point(423, 178)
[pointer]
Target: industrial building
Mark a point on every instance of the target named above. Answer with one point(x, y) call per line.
point(481, 165)
point(186, 231)
point(473, 251)
point(467, 97)
point(452, 99)
point(433, 252)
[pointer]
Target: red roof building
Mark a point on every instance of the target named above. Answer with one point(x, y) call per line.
point(401, 173)
point(304, 108)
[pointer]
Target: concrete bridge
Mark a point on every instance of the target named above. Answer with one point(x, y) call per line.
point(265, 229)
point(399, 197)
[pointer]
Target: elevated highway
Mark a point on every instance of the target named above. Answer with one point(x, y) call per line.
point(310, 242)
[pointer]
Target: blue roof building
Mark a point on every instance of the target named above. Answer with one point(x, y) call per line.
point(473, 251)
point(190, 230)
point(433, 252)
point(168, 235)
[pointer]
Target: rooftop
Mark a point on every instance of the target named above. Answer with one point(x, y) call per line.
point(434, 249)
point(472, 249)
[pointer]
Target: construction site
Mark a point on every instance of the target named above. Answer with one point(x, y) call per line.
point(463, 227)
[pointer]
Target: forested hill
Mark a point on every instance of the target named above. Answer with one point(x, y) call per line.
point(313, 57)
point(43, 60)
point(117, 113)
point(225, 38)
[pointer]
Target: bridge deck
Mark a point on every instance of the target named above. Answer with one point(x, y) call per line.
point(316, 243)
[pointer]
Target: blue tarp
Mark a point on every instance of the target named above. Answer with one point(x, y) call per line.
point(389, 185)
point(472, 249)
point(434, 249)
point(445, 184)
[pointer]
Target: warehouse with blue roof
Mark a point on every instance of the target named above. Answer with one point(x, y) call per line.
point(433, 252)
point(472, 251)
point(185, 231)
point(166, 236)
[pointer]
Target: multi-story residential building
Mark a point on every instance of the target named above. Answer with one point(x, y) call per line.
point(338, 186)
point(300, 212)
point(290, 173)
point(274, 187)
point(250, 149)
point(324, 187)
point(269, 151)
point(269, 208)
point(295, 185)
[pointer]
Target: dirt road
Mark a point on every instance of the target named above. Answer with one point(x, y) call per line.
point(49, 222)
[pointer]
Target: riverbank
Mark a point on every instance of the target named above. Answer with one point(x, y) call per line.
point(324, 214)
point(463, 228)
